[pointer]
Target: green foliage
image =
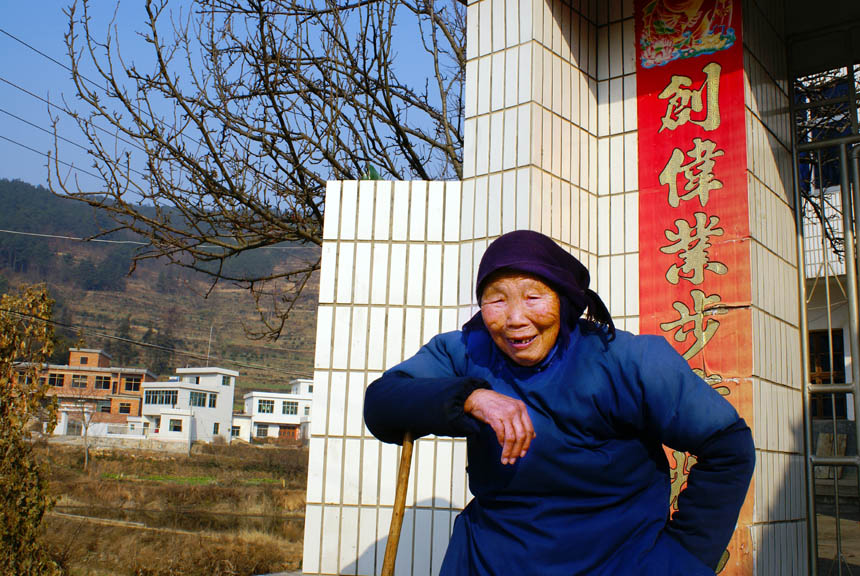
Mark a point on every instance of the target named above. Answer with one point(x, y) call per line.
point(25, 344)
point(95, 267)
point(35, 210)
point(107, 275)
point(124, 353)
point(161, 359)
point(63, 338)
point(370, 173)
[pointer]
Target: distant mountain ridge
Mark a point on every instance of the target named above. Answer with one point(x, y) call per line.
point(160, 304)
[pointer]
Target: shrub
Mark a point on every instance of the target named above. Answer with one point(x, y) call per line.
point(25, 344)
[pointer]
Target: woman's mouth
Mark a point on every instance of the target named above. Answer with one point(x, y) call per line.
point(521, 342)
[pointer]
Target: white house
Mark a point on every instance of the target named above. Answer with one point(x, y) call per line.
point(283, 415)
point(195, 405)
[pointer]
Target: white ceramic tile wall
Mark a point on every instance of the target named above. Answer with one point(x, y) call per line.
point(531, 111)
point(393, 262)
point(780, 518)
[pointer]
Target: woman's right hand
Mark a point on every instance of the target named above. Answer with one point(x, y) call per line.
point(509, 419)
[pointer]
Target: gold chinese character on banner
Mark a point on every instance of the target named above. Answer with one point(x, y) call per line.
point(684, 100)
point(698, 172)
point(691, 243)
point(703, 327)
point(678, 476)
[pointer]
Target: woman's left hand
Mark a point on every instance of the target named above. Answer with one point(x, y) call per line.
point(509, 419)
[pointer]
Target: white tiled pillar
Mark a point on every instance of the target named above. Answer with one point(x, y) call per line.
point(617, 217)
point(779, 518)
point(531, 129)
point(389, 281)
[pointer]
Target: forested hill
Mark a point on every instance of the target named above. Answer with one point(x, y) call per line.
point(36, 209)
point(27, 210)
point(158, 304)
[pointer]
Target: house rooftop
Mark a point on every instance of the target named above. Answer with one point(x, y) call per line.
point(92, 351)
point(207, 370)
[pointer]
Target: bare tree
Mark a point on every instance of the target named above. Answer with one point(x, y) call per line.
point(83, 410)
point(247, 108)
point(824, 111)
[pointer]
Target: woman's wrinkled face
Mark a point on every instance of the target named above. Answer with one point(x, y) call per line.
point(523, 316)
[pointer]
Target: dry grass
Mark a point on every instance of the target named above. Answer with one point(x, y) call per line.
point(224, 510)
point(89, 549)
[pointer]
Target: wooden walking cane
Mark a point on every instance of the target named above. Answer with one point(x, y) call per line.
point(399, 506)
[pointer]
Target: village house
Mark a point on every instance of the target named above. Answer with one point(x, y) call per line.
point(195, 405)
point(276, 415)
point(92, 393)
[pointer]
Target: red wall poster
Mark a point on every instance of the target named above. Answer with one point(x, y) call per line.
point(694, 259)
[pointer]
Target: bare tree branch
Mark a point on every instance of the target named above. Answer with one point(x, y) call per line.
point(246, 108)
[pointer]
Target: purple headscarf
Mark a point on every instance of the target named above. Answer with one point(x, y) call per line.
point(533, 253)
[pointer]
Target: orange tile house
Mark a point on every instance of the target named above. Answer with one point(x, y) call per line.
point(89, 389)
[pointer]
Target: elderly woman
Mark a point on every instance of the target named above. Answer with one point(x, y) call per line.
point(565, 421)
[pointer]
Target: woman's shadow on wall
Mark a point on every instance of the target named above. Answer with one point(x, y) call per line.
point(424, 537)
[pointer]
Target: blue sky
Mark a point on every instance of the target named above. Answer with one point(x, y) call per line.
point(42, 24)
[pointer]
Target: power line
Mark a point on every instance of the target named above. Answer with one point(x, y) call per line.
point(70, 113)
point(178, 352)
point(132, 242)
point(78, 73)
point(40, 53)
point(60, 237)
point(64, 139)
point(25, 121)
point(46, 155)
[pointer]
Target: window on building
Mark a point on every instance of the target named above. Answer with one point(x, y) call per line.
point(310, 388)
point(102, 382)
point(307, 410)
point(175, 425)
point(266, 406)
point(234, 431)
point(289, 407)
point(225, 380)
point(79, 380)
point(74, 428)
point(103, 406)
point(826, 365)
point(56, 380)
point(161, 397)
point(132, 383)
point(213, 400)
point(262, 430)
point(84, 360)
point(215, 428)
point(125, 408)
point(198, 399)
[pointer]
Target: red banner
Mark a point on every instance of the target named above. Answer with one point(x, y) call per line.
point(694, 221)
point(694, 258)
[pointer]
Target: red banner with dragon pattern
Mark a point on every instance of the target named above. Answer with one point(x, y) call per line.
point(694, 257)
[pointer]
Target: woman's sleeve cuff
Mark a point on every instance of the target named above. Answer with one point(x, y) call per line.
point(460, 422)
